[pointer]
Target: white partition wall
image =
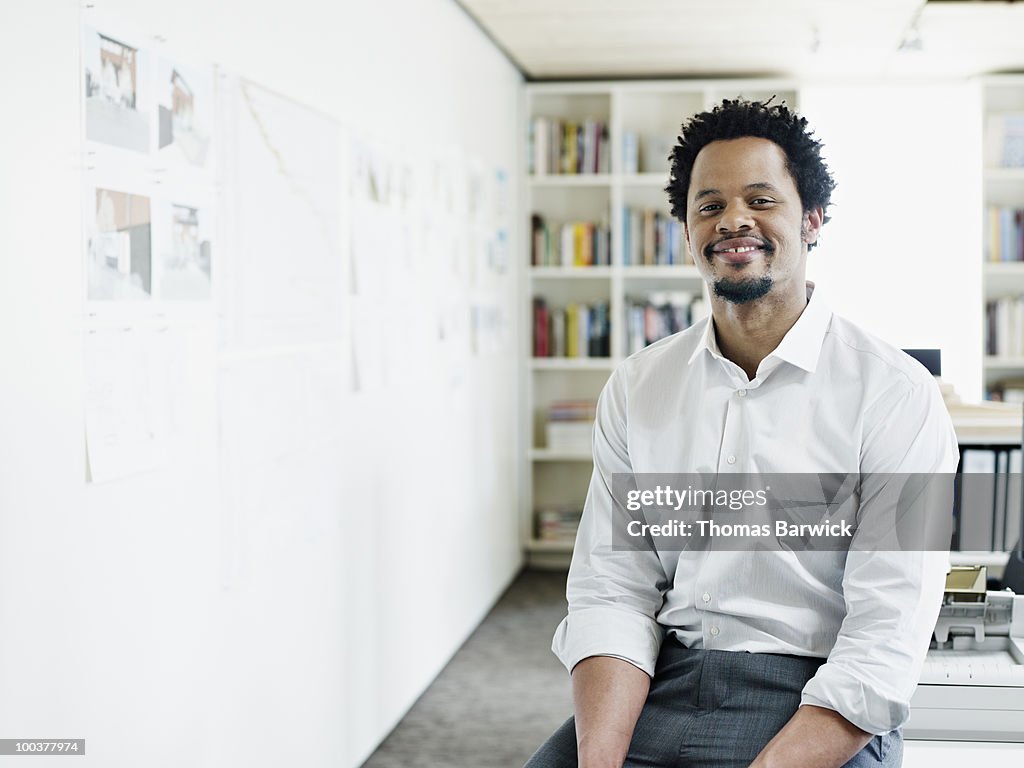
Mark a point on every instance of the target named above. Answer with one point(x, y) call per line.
point(309, 552)
point(901, 256)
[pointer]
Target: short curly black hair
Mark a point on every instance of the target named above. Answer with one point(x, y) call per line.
point(736, 118)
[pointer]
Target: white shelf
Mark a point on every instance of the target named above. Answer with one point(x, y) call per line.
point(572, 363)
point(630, 272)
point(571, 180)
point(993, 362)
point(1004, 174)
point(659, 180)
point(674, 272)
point(541, 273)
point(1004, 268)
point(546, 454)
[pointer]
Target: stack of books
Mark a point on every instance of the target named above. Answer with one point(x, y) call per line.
point(660, 314)
point(573, 244)
point(652, 238)
point(557, 146)
point(570, 425)
point(578, 330)
point(558, 524)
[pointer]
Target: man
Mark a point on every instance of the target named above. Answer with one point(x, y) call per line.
point(761, 658)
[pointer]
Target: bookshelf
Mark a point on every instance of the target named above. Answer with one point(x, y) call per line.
point(650, 114)
point(1003, 250)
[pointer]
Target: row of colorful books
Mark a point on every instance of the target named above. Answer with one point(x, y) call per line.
point(567, 146)
point(1004, 327)
point(660, 314)
point(571, 410)
point(558, 523)
point(573, 244)
point(577, 330)
point(652, 238)
point(1004, 234)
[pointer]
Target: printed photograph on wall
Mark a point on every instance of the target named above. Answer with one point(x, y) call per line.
point(183, 251)
point(119, 250)
point(184, 112)
point(116, 108)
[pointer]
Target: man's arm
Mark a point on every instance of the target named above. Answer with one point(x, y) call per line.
point(611, 638)
point(892, 596)
point(608, 694)
point(814, 737)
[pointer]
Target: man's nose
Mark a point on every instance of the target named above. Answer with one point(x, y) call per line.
point(735, 217)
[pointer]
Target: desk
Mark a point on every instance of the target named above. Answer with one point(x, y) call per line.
point(962, 754)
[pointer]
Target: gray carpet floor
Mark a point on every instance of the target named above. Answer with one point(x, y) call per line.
point(501, 695)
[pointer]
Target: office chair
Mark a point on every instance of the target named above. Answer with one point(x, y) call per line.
point(1013, 576)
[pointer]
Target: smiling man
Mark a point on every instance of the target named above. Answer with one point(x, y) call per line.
point(730, 657)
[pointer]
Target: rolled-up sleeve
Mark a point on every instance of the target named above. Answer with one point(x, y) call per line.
point(892, 597)
point(614, 594)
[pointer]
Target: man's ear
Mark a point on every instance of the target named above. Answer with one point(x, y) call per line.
point(686, 234)
point(813, 219)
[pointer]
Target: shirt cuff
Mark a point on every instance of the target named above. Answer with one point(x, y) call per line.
point(837, 688)
point(602, 631)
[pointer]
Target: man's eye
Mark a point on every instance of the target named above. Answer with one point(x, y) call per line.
point(762, 201)
point(709, 208)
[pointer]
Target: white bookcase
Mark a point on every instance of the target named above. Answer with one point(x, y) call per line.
point(654, 112)
point(1001, 95)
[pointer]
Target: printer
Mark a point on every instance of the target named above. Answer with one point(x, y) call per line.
point(972, 683)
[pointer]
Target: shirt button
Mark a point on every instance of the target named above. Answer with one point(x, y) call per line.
point(706, 597)
point(731, 460)
point(741, 392)
point(714, 631)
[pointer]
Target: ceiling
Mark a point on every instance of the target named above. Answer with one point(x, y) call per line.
point(561, 39)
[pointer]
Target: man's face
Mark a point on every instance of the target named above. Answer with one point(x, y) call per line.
point(745, 223)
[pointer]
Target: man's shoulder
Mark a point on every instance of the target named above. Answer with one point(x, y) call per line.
point(670, 353)
point(874, 358)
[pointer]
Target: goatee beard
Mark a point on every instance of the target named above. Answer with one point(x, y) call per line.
point(743, 291)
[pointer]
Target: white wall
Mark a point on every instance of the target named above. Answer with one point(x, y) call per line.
point(298, 626)
point(901, 256)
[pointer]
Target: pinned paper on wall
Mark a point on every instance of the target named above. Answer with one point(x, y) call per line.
point(118, 98)
point(488, 328)
point(286, 274)
point(183, 234)
point(185, 113)
point(119, 260)
point(126, 405)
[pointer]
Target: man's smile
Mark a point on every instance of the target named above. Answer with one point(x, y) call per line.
point(738, 250)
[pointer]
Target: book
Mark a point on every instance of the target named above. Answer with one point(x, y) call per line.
point(652, 238)
point(562, 146)
point(659, 314)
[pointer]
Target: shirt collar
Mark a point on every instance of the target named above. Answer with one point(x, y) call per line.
point(801, 346)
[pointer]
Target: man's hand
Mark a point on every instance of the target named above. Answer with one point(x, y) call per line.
point(608, 694)
point(814, 737)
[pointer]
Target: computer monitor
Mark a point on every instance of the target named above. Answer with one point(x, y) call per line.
point(929, 358)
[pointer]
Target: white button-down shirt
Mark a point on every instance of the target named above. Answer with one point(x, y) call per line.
point(830, 398)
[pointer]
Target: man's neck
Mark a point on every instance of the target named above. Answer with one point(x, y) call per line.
point(748, 333)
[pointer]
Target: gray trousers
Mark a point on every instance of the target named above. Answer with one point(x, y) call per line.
point(715, 709)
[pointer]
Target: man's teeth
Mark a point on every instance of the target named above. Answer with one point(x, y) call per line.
point(741, 249)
